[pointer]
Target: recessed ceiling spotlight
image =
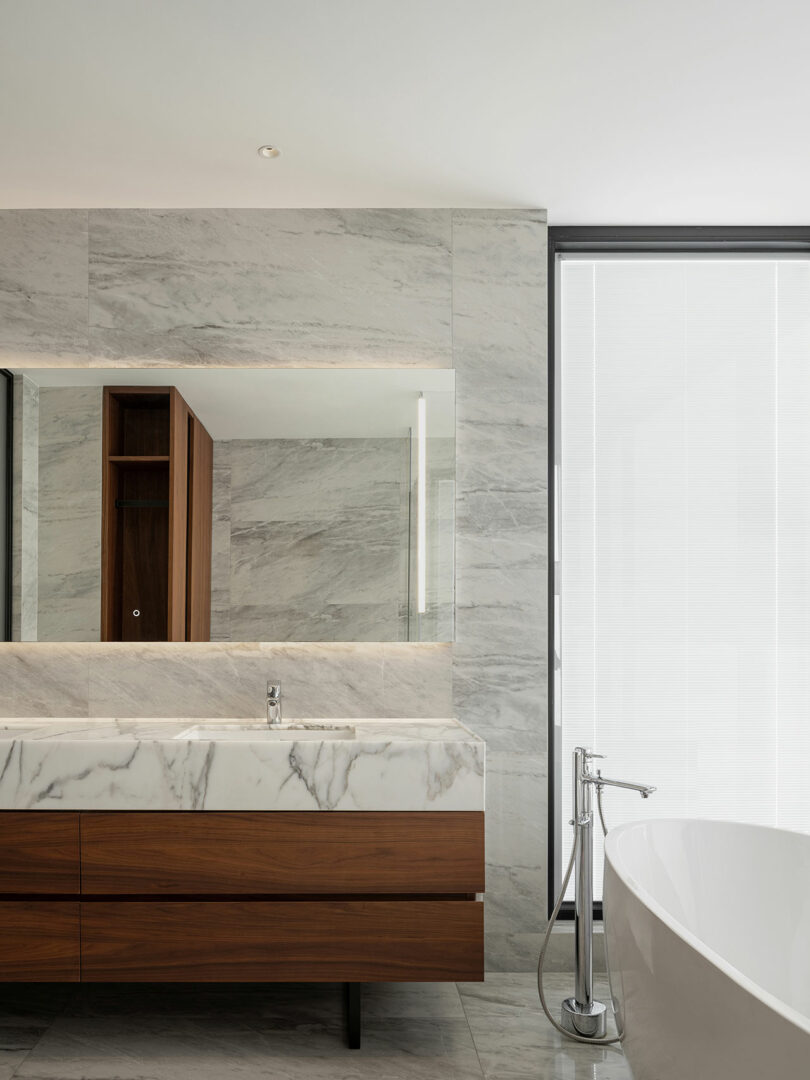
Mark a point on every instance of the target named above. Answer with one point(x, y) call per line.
point(269, 151)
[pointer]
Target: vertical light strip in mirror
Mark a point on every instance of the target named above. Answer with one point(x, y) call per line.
point(421, 505)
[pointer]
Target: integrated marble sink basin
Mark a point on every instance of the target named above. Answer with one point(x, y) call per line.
point(225, 763)
point(260, 732)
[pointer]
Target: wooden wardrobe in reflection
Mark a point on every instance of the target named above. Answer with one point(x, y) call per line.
point(156, 517)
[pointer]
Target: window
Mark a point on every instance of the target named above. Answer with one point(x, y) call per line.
point(681, 621)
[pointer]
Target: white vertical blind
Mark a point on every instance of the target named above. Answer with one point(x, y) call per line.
point(685, 533)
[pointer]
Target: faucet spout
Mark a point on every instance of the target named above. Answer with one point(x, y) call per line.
point(644, 790)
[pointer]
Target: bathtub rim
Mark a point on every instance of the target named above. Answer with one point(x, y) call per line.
point(659, 912)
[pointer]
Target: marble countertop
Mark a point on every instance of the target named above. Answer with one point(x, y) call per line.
point(197, 764)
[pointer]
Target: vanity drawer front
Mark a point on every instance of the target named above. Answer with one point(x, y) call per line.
point(205, 853)
point(39, 852)
point(284, 941)
point(39, 941)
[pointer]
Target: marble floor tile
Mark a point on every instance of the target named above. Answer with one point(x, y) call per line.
point(385, 1001)
point(515, 1041)
point(10, 1060)
point(141, 1048)
point(519, 1047)
point(433, 1031)
point(504, 991)
point(21, 1036)
point(26, 1013)
point(159, 1049)
point(416, 1047)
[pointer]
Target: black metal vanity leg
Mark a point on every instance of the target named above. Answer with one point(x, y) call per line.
point(353, 991)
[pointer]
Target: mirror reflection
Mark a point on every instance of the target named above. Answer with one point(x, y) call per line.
point(232, 505)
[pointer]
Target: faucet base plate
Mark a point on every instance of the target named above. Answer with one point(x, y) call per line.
point(589, 1021)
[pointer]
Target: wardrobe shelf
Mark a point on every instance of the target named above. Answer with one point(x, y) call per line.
point(140, 460)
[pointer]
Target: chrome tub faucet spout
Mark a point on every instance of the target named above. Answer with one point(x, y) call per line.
point(587, 777)
point(274, 703)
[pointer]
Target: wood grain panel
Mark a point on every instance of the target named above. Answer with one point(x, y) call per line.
point(259, 941)
point(143, 582)
point(39, 941)
point(110, 594)
point(275, 853)
point(200, 526)
point(39, 852)
point(178, 515)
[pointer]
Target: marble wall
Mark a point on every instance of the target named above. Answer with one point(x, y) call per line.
point(69, 561)
point(329, 680)
point(299, 287)
point(311, 540)
point(431, 288)
point(499, 658)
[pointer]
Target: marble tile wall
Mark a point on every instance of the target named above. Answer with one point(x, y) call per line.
point(24, 511)
point(43, 287)
point(217, 679)
point(69, 562)
point(434, 288)
point(299, 287)
point(309, 538)
point(499, 665)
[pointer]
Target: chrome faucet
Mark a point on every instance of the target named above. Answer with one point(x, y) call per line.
point(274, 703)
point(581, 1014)
point(599, 781)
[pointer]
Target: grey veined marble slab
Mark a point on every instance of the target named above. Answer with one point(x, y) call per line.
point(304, 287)
point(192, 764)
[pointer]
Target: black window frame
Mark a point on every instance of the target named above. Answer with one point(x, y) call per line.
point(609, 239)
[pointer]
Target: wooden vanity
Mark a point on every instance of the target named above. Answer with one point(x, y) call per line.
point(237, 882)
point(241, 897)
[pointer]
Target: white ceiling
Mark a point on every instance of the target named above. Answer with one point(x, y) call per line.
point(602, 111)
point(285, 403)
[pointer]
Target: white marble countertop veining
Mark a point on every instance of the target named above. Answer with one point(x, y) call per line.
point(199, 764)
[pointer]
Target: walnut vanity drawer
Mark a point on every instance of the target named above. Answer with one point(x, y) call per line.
point(39, 852)
point(39, 941)
point(284, 941)
point(277, 853)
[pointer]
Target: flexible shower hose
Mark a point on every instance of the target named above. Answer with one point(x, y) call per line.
point(547, 939)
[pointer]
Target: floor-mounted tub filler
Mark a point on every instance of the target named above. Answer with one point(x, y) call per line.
point(583, 1018)
point(708, 940)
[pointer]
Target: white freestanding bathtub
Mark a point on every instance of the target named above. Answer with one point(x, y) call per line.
point(707, 926)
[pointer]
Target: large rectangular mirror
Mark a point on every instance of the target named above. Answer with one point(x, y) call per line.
point(181, 504)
